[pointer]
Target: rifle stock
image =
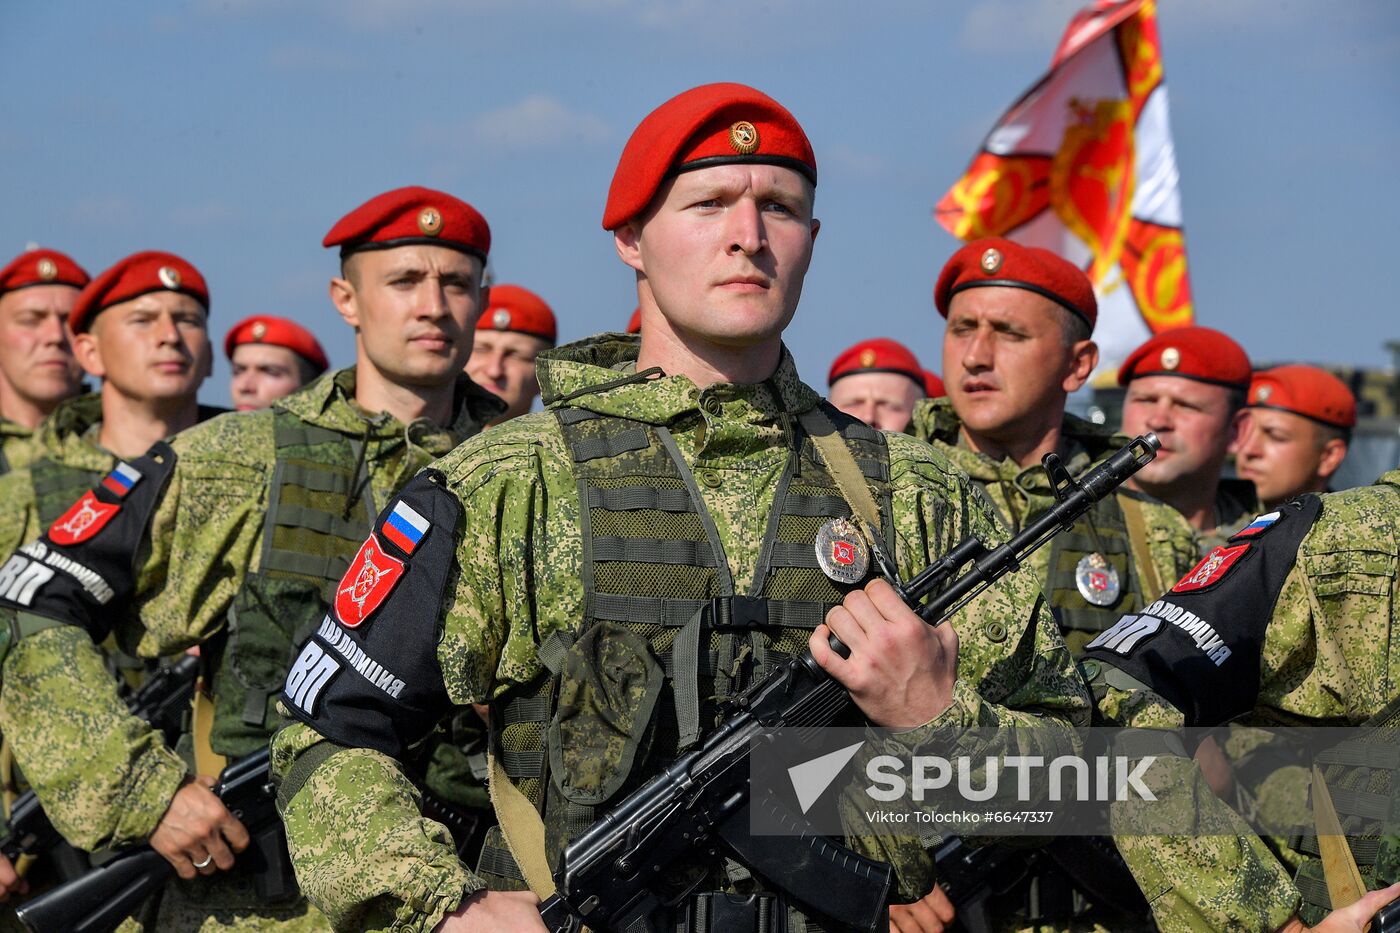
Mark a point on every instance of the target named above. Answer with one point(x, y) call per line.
point(605, 874)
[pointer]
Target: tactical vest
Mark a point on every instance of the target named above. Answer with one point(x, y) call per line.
point(665, 636)
point(1361, 776)
point(318, 514)
point(1102, 530)
point(58, 485)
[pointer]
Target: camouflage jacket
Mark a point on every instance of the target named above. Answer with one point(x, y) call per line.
point(105, 778)
point(1022, 494)
point(17, 446)
point(367, 859)
point(1319, 666)
point(1236, 503)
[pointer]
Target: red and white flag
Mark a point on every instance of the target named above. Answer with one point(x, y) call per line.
point(1083, 165)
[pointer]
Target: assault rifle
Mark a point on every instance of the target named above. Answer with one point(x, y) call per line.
point(101, 899)
point(608, 876)
point(161, 702)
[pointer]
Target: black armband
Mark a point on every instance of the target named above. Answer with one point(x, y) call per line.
point(81, 570)
point(369, 676)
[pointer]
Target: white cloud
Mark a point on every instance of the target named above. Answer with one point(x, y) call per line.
point(539, 121)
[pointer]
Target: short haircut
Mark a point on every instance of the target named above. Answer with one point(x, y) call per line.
point(1073, 328)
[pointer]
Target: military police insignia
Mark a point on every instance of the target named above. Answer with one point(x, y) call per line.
point(1212, 568)
point(47, 269)
point(430, 221)
point(84, 518)
point(991, 260)
point(367, 583)
point(743, 138)
point(842, 551)
point(1097, 580)
point(169, 277)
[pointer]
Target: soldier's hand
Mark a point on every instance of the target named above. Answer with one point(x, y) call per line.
point(10, 881)
point(933, 913)
point(901, 669)
point(198, 835)
point(493, 911)
point(1351, 919)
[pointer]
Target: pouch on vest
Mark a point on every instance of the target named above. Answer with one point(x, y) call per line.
point(264, 615)
point(608, 689)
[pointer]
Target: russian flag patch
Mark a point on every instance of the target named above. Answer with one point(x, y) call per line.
point(405, 527)
point(1258, 526)
point(122, 479)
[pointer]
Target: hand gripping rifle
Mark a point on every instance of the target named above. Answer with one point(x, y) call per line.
point(606, 877)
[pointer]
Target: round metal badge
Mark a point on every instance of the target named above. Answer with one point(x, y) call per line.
point(743, 137)
point(48, 269)
point(259, 330)
point(1097, 580)
point(169, 277)
point(501, 319)
point(842, 551)
point(991, 260)
point(430, 221)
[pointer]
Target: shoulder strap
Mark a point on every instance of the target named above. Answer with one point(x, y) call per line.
point(1344, 884)
point(523, 828)
point(843, 469)
point(1137, 537)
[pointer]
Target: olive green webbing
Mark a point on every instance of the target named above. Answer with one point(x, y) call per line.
point(1137, 537)
point(57, 486)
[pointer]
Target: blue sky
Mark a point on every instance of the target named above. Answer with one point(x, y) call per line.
point(236, 132)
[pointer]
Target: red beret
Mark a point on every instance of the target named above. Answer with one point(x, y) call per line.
point(880, 355)
point(41, 267)
point(1197, 353)
point(634, 323)
point(407, 216)
point(518, 309)
point(714, 124)
point(277, 332)
point(933, 385)
point(1304, 390)
point(993, 261)
point(136, 275)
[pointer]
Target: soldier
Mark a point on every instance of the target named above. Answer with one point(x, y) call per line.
point(141, 327)
point(514, 330)
point(1296, 437)
point(271, 357)
point(238, 533)
point(1290, 622)
point(1017, 342)
point(877, 381)
point(1188, 385)
point(37, 367)
point(669, 476)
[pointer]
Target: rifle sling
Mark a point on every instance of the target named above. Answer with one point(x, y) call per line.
point(1137, 539)
point(523, 829)
point(1344, 884)
point(844, 470)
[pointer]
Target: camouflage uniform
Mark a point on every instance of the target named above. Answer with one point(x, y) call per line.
point(362, 852)
point(17, 445)
point(1320, 665)
point(1236, 503)
point(204, 542)
point(1021, 495)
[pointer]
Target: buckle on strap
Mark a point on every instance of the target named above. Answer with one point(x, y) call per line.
point(718, 912)
point(737, 612)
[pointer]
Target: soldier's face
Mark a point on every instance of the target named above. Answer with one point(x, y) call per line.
point(262, 374)
point(882, 400)
point(503, 362)
point(36, 359)
point(414, 309)
point(1193, 420)
point(154, 347)
point(1005, 363)
point(722, 252)
point(1286, 454)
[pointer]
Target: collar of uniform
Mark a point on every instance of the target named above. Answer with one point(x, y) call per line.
point(10, 428)
point(329, 402)
point(1032, 480)
point(593, 374)
point(70, 420)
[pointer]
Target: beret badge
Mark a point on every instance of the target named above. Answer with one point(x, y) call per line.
point(48, 269)
point(501, 319)
point(259, 330)
point(169, 277)
point(991, 260)
point(1171, 358)
point(743, 137)
point(430, 221)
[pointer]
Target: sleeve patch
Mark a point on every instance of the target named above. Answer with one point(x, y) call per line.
point(1213, 568)
point(370, 579)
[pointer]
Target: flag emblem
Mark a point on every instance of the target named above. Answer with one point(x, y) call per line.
point(84, 518)
point(405, 527)
point(367, 583)
point(122, 479)
point(1258, 526)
